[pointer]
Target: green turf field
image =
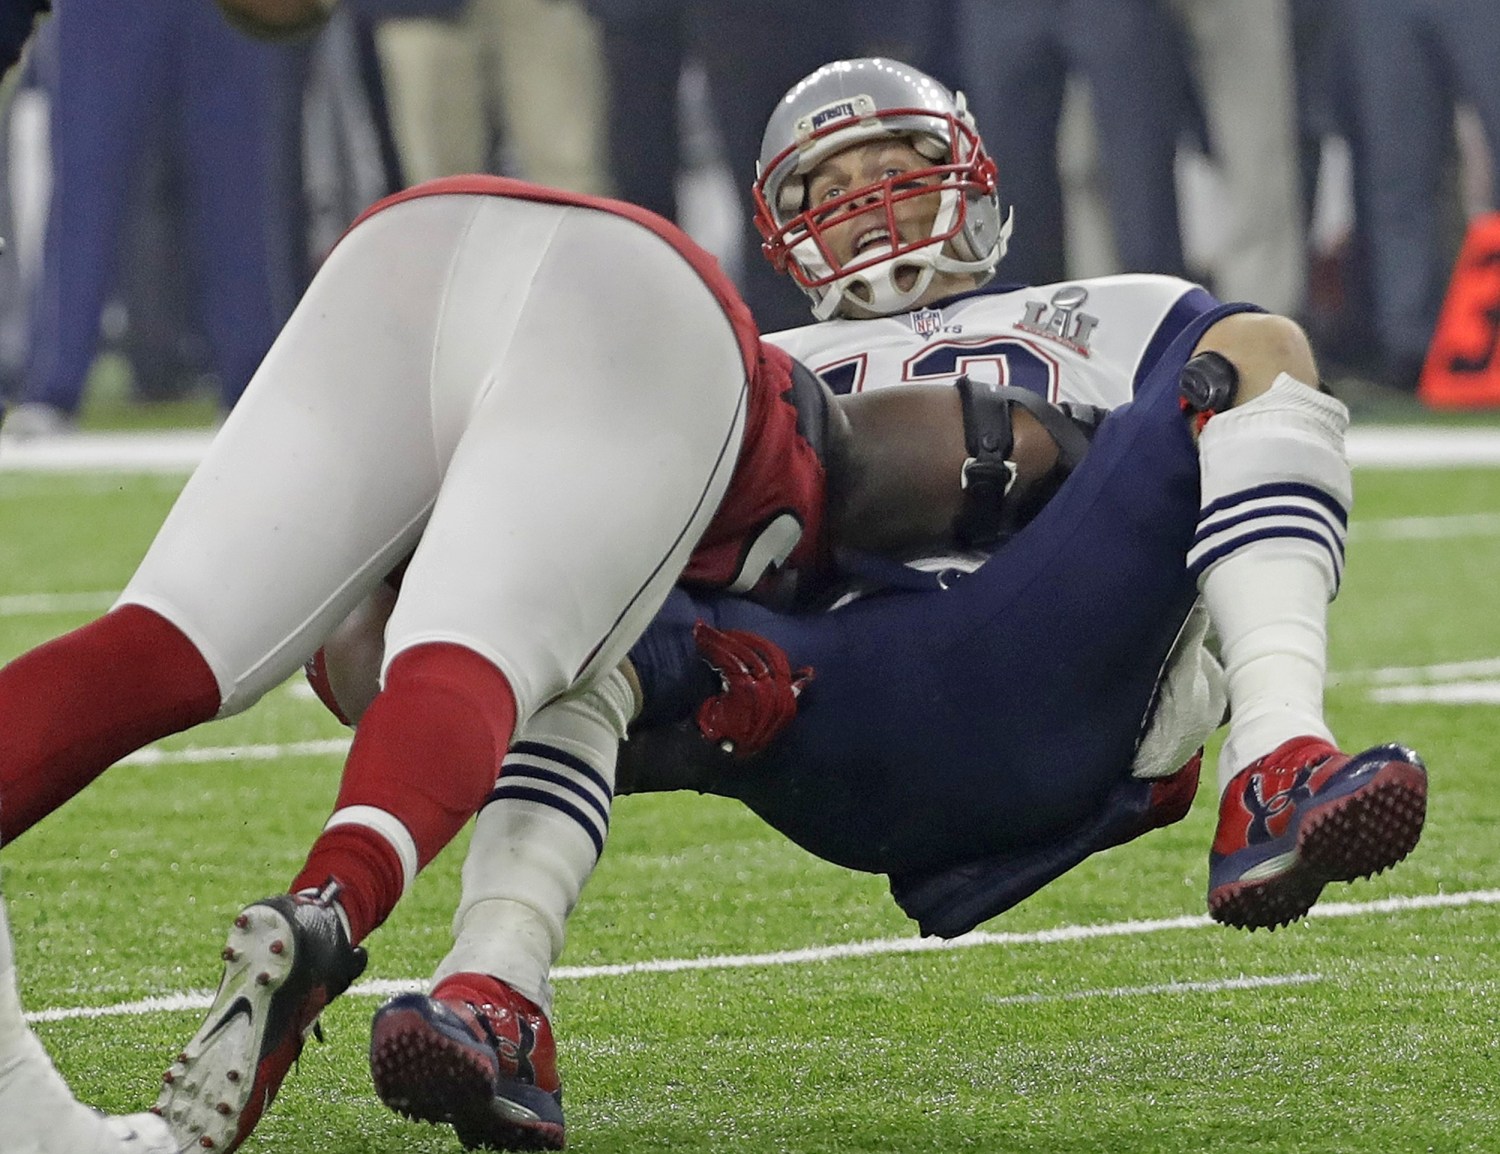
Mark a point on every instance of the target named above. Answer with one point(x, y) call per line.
point(1103, 1015)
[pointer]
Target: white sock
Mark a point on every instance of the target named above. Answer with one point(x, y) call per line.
point(537, 841)
point(1269, 555)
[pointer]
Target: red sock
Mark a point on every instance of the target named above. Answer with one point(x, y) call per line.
point(478, 990)
point(71, 708)
point(426, 752)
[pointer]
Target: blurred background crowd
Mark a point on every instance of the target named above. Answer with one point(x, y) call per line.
point(171, 185)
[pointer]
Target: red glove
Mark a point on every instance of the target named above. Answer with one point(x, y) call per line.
point(760, 689)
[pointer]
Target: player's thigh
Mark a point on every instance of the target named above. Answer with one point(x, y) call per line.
point(595, 459)
point(323, 475)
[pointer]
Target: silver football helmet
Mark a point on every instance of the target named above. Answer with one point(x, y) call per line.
point(848, 102)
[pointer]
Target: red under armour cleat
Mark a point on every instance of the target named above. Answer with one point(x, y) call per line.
point(475, 1055)
point(1306, 815)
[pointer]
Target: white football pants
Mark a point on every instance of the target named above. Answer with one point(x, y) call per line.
point(544, 401)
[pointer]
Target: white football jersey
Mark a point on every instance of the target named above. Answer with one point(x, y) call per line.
point(1083, 340)
point(1088, 341)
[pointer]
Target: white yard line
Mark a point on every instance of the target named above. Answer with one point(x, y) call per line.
point(1422, 447)
point(208, 754)
point(160, 451)
point(881, 947)
point(40, 604)
point(1446, 683)
point(1451, 693)
point(1426, 528)
point(1220, 986)
point(180, 450)
point(1398, 674)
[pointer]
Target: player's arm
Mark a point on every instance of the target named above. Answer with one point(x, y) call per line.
point(915, 468)
point(1240, 357)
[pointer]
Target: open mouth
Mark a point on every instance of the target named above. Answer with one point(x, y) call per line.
point(872, 238)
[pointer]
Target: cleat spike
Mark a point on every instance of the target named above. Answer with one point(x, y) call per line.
point(480, 1058)
point(1306, 815)
point(289, 960)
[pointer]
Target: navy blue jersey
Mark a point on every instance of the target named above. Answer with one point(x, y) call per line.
point(998, 714)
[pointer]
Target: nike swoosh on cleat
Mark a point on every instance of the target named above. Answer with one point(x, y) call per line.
point(240, 1005)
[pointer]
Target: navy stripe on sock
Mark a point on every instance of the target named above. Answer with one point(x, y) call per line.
point(1278, 489)
point(1207, 532)
point(1285, 532)
point(523, 771)
point(513, 791)
point(552, 753)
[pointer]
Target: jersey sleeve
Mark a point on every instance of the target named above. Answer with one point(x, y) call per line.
point(769, 529)
point(1191, 304)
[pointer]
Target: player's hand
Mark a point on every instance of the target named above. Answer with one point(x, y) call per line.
point(759, 699)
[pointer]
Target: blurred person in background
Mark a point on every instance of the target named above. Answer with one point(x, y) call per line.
point(1015, 58)
point(748, 60)
point(149, 329)
point(465, 75)
point(1240, 59)
point(1410, 62)
point(1338, 312)
point(119, 68)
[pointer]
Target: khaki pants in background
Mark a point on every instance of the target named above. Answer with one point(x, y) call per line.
point(531, 67)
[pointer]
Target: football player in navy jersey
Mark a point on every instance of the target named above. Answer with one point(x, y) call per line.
point(973, 723)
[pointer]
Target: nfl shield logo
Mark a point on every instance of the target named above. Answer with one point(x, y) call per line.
point(925, 322)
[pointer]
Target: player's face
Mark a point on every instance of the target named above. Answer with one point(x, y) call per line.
point(862, 166)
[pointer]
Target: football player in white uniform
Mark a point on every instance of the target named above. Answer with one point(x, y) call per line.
point(478, 405)
point(1217, 491)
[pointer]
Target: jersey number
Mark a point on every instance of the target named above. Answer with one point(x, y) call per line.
point(1016, 362)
